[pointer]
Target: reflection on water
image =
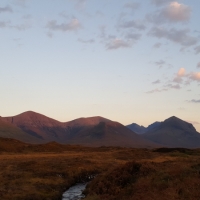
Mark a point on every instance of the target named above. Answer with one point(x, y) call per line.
point(74, 192)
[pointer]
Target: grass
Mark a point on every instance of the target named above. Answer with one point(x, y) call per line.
point(44, 172)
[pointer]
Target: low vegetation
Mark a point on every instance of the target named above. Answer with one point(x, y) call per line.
point(44, 172)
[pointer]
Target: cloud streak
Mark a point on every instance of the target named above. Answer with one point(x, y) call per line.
point(116, 44)
point(160, 2)
point(73, 25)
point(181, 37)
point(197, 49)
point(194, 101)
point(133, 24)
point(6, 9)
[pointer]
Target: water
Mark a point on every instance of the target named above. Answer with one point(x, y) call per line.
point(74, 192)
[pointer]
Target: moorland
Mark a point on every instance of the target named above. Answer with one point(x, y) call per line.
point(45, 171)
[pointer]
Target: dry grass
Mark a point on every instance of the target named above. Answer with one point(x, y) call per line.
point(44, 172)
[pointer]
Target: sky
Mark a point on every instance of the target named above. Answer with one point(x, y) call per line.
point(129, 61)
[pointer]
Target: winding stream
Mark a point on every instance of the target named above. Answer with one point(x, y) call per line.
point(74, 192)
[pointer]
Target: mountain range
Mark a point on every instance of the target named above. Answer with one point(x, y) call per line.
point(32, 127)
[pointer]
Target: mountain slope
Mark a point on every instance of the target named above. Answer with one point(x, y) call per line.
point(174, 132)
point(8, 130)
point(109, 133)
point(92, 131)
point(40, 126)
point(136, 128)
point(141, 129)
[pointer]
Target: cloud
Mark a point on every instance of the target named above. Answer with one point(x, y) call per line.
point(157, 45)
point(160, 63)
point(171, 86)
point(176, 12)
point(133, 36)
point(156, 91)
point(3, 24)
point(86, 41)
point(198, 65)
point(179, 76)
point(156, 82)
point(5, 9)
point(181, 37)
point(73, 25)
point(117, 43)
point(186, 77)
point(172, 13)
point(193, 122)
point(195, 76)
point(132, 5)
point(194, 101)
point(133, 24)
point(50, 34)
point(197, 49)
point(160, 2)
point(181, 72)
point(22, 27)
point(20, 2)
point(80, 4)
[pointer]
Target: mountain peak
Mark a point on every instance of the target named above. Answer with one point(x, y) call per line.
point(175, 122)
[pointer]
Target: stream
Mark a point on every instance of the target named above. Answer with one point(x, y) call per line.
point(74, 192)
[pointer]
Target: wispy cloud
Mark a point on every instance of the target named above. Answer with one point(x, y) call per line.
point(73, 25)
point(198, 65)
point(5, 9)
point(4, 24)
point(197, 49)
point(187, 77)
point(195, 76)
point(133, 36)
point(157, 45)
point(194, 101)
point(116, 44)
point(156, 91)
point(21, 3)
point(156, 82)
point(160, 2)
point(172, 86)
point(193, 122)
point(22, 27)
point(80, 4)
point(181, 37)
point(160, 63)
point(139, 25)
point(179, 76)
point(90, 41)
point(132, 5)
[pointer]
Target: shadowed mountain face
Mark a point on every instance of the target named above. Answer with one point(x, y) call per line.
point(109, 133)
point(137, 128)
point(141, 129)
point(174, 132)
point(93, 131)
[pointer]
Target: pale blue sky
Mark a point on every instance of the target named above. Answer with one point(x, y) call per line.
point(129, 61)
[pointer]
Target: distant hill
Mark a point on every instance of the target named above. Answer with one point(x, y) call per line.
point(137, 128)
point(141, 129)
point(109, 133)
point(9, 130)
point(93, 131)
point(174, 132)
point(40, 126)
